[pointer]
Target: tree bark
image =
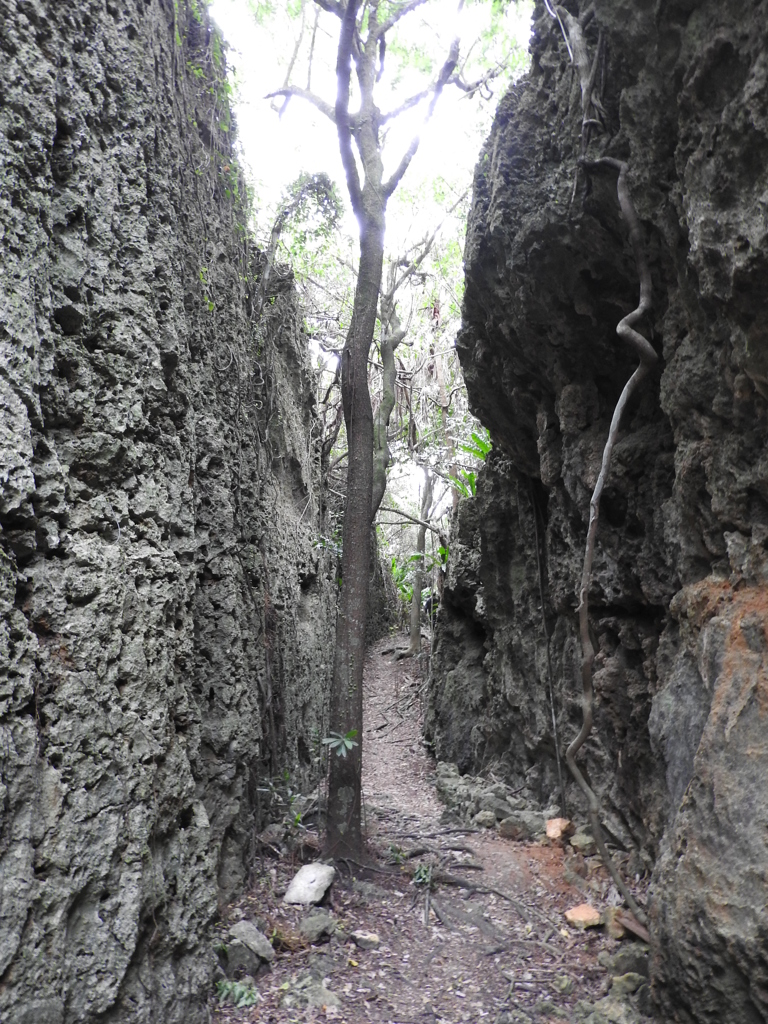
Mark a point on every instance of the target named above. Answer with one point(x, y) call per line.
point(344, 823)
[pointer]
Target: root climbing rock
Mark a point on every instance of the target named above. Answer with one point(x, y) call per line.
point(648, 358)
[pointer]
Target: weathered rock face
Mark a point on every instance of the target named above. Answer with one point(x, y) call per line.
point(165, 620)
point(679, 752)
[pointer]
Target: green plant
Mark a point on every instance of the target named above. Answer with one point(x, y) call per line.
point(396, 854)
point(206, 286)
point(422, 876)
point(332, 544)
point(479, 446)
point(400, 574)
point(341, 744)
point(465, 482)
point(237, 994)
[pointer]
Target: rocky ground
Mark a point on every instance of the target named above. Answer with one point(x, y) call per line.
point(452, 923)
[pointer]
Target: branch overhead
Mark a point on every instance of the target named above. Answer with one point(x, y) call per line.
point(332, 7)
point(343, 127)
point(443, 78)
point(406, 8)
point(305, 94)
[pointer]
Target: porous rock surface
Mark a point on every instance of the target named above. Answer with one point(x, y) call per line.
point(165, 618)
point(679, 752)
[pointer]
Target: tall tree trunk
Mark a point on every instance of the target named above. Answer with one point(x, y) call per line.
point(344, 823)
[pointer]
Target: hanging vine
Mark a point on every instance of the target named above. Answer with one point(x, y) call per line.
point(593, 117)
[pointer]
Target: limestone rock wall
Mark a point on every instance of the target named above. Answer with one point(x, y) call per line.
point(165, 618)
point(679, 752)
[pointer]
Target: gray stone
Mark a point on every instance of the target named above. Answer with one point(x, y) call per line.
point(485, 819)
point(633, 959)
point(546, 1009)
point(563, 984)
point(626, 984)
point(677, 754)
point(247, 933)
point(316, 926)
point(644, 1000)
point(310, 883)
point(584, 844)
point(522, 825)
point(500, 808)
point(365, 940)
point(239, 960)
point(307, 991)
point(513, 1017)
point(38, 1011)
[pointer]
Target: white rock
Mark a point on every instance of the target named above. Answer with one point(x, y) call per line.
point(310, 883)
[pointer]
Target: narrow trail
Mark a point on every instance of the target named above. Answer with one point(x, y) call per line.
point(470, 926)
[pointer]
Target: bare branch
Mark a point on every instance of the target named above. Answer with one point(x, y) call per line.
point(312, 48)
point(427, 245)
point(332, 7)
point(305, 94)
point(445, 74)
point(292, 61)
point(411, 519)
point(412, 101)
point(405, 9)
point(343, 76)
point(470, 88)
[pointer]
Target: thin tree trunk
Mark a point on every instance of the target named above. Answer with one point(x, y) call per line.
point(392, 335)
point(344, 823)
point(445, 404)
point(369, 198)
point(414, 647)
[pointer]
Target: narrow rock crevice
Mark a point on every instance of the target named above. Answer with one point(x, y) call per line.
point(681, 540)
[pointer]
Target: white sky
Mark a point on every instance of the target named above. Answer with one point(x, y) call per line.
point(276, 150)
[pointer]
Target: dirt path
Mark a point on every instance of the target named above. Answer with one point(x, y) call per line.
point(470, 928)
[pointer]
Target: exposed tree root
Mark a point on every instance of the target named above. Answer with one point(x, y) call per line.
point(555, 736)
point(648, 359)
point(593, 114)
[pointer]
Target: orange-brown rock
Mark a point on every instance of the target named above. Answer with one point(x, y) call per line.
point(559, 828)
point(583, 916)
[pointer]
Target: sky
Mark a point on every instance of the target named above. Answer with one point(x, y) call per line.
point(277, 149)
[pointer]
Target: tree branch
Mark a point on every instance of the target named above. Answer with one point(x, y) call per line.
point(292, 62)
point(427, 245)
point(411, 519)
point(405, 9)
point(470, 88)
point(412, 101)
point(332, 7)
point(445, 73)
point(648, 359)
point(305, 94)
point(343, 76)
